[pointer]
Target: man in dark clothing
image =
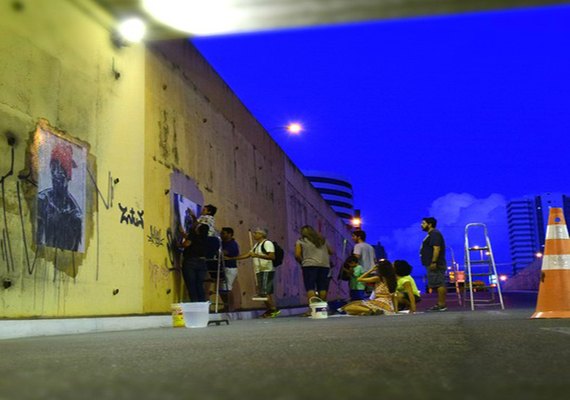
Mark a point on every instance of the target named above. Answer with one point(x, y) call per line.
point(194, 268)
point(432, 256)
point(231, 249)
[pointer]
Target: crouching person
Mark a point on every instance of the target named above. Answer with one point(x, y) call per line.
point(407, 293)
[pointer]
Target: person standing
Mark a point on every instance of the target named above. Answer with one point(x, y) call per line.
point(313, 252)
point(194, 268)
point(230, 248)
point(207, 217)
point(432, 255)
point(263, 254)
point(363, 251)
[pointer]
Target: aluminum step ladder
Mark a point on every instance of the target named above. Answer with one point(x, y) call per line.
point(483, 269)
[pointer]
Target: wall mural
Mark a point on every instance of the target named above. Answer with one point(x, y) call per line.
point(61, 192)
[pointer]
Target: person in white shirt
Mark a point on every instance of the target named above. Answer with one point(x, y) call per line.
point(363, 251)
point(263, 254)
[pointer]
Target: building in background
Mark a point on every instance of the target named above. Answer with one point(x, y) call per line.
point(336, 190)
point(527, 219)
point(380, 251)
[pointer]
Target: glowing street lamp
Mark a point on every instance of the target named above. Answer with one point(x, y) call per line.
point(294, 127)
point(356, 221)
point(538, 255)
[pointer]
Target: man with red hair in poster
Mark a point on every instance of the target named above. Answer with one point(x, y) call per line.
point(59, 216)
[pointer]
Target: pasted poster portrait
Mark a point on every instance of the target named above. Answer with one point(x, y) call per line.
point(183, 210)
point(61, 192)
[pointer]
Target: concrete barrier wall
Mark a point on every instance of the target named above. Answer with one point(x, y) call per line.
point(153, 120)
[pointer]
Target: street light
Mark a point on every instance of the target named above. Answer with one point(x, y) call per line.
point(356, 221)
point(294, 127)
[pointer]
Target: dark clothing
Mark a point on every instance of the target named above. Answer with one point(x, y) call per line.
point(194, 273)
point(59, 221)
point(436, 278)
point(231, 249)
point(197, 246)
point(194, 266)
point(357, 295)
point(316, 278)
point(433, 238)
point(212, 253)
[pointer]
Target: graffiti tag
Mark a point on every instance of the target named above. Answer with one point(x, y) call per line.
point(132, 217)
point(155, 236)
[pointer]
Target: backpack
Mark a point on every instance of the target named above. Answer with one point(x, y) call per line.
point(279, 253)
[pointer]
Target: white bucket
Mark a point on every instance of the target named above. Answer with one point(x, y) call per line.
point(319, 308)
point(196, 315)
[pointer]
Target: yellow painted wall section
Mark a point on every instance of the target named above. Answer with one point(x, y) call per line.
point(58, 63)
point(195, 125)
point(155, 119)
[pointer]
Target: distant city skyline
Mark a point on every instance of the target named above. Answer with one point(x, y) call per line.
point(448, 116)
point(528, 218)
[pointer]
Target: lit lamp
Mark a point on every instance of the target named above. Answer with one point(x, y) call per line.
point(131, 30)
point(294, 127)
point(356, 221)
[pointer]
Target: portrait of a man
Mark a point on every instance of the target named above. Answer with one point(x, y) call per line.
point(61, 193)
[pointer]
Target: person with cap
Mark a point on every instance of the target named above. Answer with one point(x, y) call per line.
point(60, 220)
point(262, 255)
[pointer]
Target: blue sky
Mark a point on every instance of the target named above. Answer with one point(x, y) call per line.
point(446, 116)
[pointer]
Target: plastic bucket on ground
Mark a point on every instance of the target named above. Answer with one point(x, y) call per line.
point(177, 315)
point(319, 308)
point(196, 315)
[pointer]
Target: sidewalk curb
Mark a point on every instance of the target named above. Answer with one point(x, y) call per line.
point(14, 329)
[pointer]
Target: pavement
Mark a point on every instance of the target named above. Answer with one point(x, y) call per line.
point(458, 354)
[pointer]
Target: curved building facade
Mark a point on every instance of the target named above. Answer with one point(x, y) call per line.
point(336, 190)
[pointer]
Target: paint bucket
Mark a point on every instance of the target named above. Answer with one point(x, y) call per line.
point(319, 308)
point(197, 314)
point(177, 315)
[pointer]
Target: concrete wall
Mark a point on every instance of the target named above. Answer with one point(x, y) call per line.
point(57, 64)
point(155, 120)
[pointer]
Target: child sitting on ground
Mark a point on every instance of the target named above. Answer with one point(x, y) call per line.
point(385, 286)
point(407, 293)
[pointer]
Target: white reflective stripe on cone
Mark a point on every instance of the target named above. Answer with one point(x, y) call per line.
point(560, 261)
point(557, 232)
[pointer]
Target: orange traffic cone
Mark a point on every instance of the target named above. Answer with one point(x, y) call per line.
point(554, 290)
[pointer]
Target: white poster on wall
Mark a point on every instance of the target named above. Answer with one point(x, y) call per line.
point(62, 168)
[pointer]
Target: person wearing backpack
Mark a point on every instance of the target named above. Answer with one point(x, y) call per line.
point(263, 254)
point(313, 253)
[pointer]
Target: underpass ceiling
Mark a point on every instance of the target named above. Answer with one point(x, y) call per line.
point(276, 14)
